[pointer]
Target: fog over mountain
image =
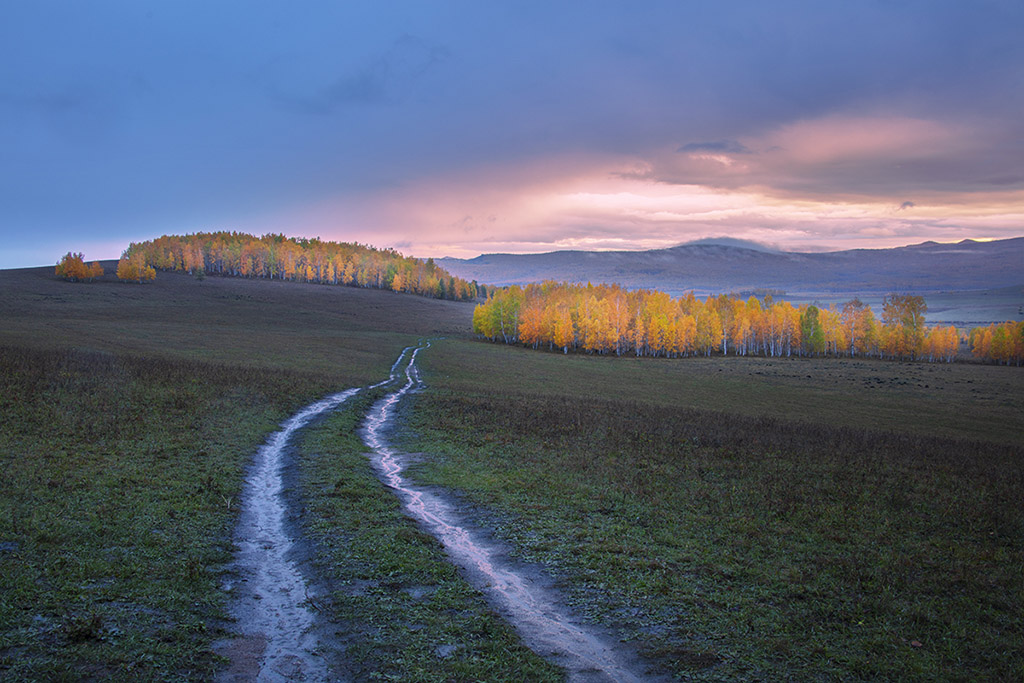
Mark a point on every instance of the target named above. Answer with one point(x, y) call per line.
point(725, 265)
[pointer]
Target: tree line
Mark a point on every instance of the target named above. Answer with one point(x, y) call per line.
point(275, 256)
point(1002, 342)
point(607, 319)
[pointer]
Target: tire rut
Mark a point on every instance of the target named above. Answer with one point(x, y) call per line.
point(276, 629)
point(523, 595)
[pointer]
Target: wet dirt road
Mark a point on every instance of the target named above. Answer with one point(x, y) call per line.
point(523, 595)
point(277, 639)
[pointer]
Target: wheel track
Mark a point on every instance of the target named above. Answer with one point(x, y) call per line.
point(277, 640)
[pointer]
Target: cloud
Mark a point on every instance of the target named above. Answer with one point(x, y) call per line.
point(716, 147)
point(906, 205)
point(545, 123)
point(650, 214)
point(386, 78)
point(590, 203)
point(841, 139)
point(843, 157)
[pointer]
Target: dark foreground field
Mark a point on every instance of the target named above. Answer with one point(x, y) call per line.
point(735, 518)
point(737, 543)
point(129, 414)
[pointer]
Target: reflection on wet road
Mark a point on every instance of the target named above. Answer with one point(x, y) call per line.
point(529, 605)
point(277, 640)
point(270, 604)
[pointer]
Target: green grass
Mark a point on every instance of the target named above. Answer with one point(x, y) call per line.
point(405, 611)
point(129, 414)
point(741, 518)
point(960, 400)
point(742, 543)
point(118, 494)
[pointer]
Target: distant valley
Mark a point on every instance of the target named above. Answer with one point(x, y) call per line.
point(968, 282)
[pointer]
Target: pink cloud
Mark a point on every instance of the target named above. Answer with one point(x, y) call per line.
point(843, 138)
point(799, 186)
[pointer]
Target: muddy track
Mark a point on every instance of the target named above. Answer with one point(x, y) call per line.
point(276, 628)
point(523, 595)
point(275, 639)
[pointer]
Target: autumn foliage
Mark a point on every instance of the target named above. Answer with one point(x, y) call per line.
point(607, 319)
point(134, 269)
point(1002, 343)
point(301, 260)
point(72, 267)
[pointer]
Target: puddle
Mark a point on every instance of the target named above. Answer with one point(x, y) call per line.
point(523, 595)
point(276, 640)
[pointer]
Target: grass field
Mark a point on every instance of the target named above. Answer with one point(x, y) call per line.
point(343, 336)
point(118, 476)
point(406, 612)
point(739, 518)
point(129, 414)
point(962, 400)
point(749, 518)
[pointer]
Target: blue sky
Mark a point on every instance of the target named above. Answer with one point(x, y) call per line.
point(455, 128)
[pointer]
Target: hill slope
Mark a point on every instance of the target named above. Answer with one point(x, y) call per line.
point(346, 335)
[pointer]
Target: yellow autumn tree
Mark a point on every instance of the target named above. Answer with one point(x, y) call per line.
point(232, 254)
point(134, 269)
point(72, 267)
point(606, 319)
point(1002, 343)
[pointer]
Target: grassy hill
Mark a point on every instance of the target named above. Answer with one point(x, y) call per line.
point(736, 518)
point(344, 335)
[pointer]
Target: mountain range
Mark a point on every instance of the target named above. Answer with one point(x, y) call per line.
point(722, 266)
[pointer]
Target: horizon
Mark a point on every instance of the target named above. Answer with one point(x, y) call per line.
point(707, 241)
point(463, 130)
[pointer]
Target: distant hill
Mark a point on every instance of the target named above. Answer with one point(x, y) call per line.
point(722, 266)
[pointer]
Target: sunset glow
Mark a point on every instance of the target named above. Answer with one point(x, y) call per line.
point(459, 131)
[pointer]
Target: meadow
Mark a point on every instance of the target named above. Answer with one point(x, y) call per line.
point(734, 518)
point(129, 414)
point(754, 520)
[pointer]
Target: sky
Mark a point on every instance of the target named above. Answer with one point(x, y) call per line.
point(458, 128)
